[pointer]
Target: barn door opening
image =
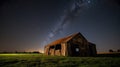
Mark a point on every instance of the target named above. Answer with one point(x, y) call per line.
point(58, 49)
point(75, 50)
point(51, 50)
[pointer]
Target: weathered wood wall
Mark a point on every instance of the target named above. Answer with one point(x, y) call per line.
point(84, 48)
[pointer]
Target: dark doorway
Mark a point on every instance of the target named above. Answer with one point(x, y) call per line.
point(51, 50)
point(75, 50)
point(58, 47)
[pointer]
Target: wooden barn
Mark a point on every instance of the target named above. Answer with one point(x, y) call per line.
point(73, 45)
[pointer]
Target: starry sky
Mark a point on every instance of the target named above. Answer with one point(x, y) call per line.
point(28, 25)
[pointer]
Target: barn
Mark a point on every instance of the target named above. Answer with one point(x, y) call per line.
point(73, 45)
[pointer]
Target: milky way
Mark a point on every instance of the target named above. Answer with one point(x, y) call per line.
point(73, 11)
point(31, 24)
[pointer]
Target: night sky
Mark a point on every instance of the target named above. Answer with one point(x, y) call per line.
point(28, 25)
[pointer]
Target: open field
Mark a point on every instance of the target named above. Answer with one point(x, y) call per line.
point(39, 60)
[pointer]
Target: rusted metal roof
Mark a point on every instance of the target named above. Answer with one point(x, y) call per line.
point(63, 40)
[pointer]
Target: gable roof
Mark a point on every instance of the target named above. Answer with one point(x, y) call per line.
point(65, 39)
point(91, 43)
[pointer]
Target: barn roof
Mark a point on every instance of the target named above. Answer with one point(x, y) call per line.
point(91, 43)
point(62, 40)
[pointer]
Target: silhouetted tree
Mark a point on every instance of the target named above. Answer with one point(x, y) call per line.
point(118, 50)
point(35, 52)
point(16, 51)
point(110, 50)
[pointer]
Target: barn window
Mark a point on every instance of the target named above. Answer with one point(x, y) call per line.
point(77, 49)
point(52, 47)
point(58, 46)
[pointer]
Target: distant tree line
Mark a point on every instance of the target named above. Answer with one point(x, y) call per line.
point(110, 50)
point(36, 52)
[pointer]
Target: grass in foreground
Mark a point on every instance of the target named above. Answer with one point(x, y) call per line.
point(39, 60)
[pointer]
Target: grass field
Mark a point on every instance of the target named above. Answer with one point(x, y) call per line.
point(39, 60)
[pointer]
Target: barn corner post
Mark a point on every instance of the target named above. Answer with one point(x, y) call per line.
point(67, 50)
point(95, 50)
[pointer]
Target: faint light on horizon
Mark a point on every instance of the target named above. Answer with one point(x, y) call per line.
point(38, 50)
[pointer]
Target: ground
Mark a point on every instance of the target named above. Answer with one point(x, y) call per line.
point(40, 60)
